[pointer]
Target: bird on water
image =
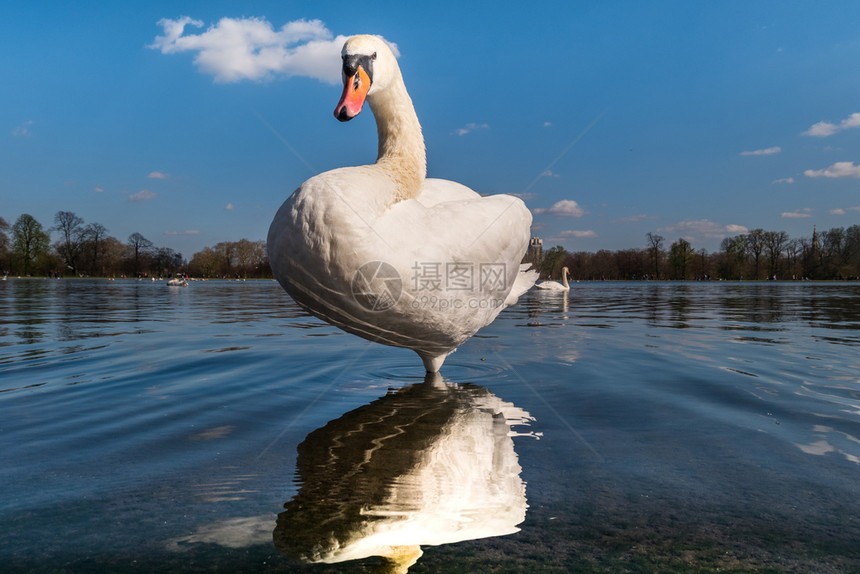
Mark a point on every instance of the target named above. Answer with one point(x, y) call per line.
point(385, 253)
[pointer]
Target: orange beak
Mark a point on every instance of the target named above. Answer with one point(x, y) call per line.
point(354, 94)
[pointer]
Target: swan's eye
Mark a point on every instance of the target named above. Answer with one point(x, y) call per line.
point(373, 56)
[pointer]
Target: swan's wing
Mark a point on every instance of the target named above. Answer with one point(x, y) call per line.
point(449, 225)
point(436, 191)
point(525, 280)
point(550, 286)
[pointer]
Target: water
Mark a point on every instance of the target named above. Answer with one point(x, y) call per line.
point(646, 427)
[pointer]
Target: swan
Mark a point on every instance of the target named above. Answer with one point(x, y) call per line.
point(555, 285)
point(384, 253)
point(178, 281)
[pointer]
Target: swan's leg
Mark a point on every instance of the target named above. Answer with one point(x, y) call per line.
point(433, 362)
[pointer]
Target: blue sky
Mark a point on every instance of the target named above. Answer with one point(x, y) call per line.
point(611, 119)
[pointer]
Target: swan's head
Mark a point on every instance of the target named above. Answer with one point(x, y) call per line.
point(368, 67)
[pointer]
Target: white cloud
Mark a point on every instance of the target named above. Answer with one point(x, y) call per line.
point(238, 49)
point(703, 228)
point(797, 213)
point(736, 229)
point(768, 151)
point(158, 175)
point(838, 169)
point(23, 130)
point(549, 173)
point(228, 207)
point(186, 232)
point(837, 211)
point(565, 207)
point(98, 189)
point(470, 127)
point(784, 180)
point(821, 130)
point(825, 129)
point(547, 124)
point(577, 233)
point(142, 195)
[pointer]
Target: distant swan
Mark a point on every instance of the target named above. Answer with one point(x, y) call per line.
point(555, 285)
point(382, 252)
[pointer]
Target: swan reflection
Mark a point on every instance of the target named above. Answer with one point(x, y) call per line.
point(428, 464)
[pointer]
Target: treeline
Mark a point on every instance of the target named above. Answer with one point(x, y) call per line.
point(86, 249)
point(241, 258)
point(757, 255)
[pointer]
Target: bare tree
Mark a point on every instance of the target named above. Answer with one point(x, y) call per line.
point(735, 256)
point(244, 250)
point(852, 248)
point(226, 251)
point(774, 244)
point(703, 263)
point(94, 235)
point(630, 263)
point(249, 256)
point(69, 245)
point(793, 250)
point(4, 239)
point(755, 248)
point(4, 244)
point(140, 247)
point(833, 244)
point(166, 261)
point(809, 260)
point(655, 248)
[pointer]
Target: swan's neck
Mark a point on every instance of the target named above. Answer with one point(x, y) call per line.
point(564, 278)
point(401, 144)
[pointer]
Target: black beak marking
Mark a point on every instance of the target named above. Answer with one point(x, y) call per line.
point(342, 116)
point(351, 62)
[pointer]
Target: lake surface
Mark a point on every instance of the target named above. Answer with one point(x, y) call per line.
point(629, 427)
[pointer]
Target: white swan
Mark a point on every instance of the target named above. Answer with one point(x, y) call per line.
point(382, 252)
point(555, 285)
